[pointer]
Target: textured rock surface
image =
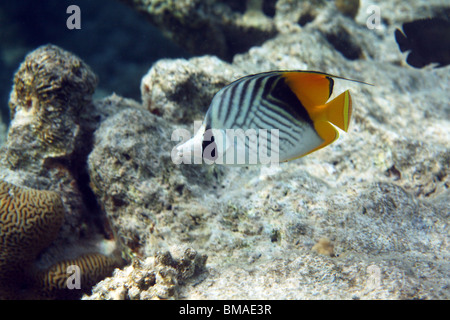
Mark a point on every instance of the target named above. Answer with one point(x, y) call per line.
point(50, 89)
point(380, 194)
point(225, 28)
point(29, 221)
point(182, 92)
point(159, 277)
point(136, 182)
point(50, 133)
point(222, 28)
point(365, 218)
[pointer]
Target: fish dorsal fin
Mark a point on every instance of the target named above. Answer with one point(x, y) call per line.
point(311, 88)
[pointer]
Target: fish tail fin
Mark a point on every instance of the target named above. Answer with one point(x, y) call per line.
point(402, 41)
point(339, 110)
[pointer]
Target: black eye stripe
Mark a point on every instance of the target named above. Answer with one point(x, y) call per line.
point(210, 146)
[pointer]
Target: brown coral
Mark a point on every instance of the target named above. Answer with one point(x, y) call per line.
point(92, 267)
point(30, 221)
point(48, 141)
point(50, 88)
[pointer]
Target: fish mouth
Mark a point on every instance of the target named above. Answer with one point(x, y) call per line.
point(193, 145)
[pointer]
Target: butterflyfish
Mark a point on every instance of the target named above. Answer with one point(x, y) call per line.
point(270, 117)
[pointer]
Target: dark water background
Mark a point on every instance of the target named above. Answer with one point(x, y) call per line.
point(115, 41)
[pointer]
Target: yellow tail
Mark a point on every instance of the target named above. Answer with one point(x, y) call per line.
point(339, 110)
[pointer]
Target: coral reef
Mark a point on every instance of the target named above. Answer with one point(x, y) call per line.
point(93, 267)
point(157, 277)
point(380, 195)
point(30, 221)
point(50, 90)
point(49, 215)
point(226, 28)
point(365, 218)
point(135, 180)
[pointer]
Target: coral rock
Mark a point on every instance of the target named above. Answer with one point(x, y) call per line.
point(259, 226)
point(324, 246)
point(135, 180)
point(52, 124)
point(221, 28)
point(348, 8)
point(50, 89)
point(181, 92)
point(157, 277)
point(30, 221)
point(86, 271)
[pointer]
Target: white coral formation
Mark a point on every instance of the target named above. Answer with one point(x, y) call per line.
point(156, 277)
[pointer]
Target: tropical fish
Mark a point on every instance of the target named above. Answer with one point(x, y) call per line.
point(427, 40)
point(273, 117)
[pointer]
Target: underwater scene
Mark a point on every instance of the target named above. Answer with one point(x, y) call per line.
point(225, 150)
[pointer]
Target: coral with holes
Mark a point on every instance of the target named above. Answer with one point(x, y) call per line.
point(157, 277)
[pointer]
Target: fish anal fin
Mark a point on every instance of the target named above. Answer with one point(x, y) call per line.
point(339, 111)
point(327, 132)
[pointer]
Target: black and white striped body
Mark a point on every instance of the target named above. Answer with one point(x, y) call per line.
point(263, 101)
